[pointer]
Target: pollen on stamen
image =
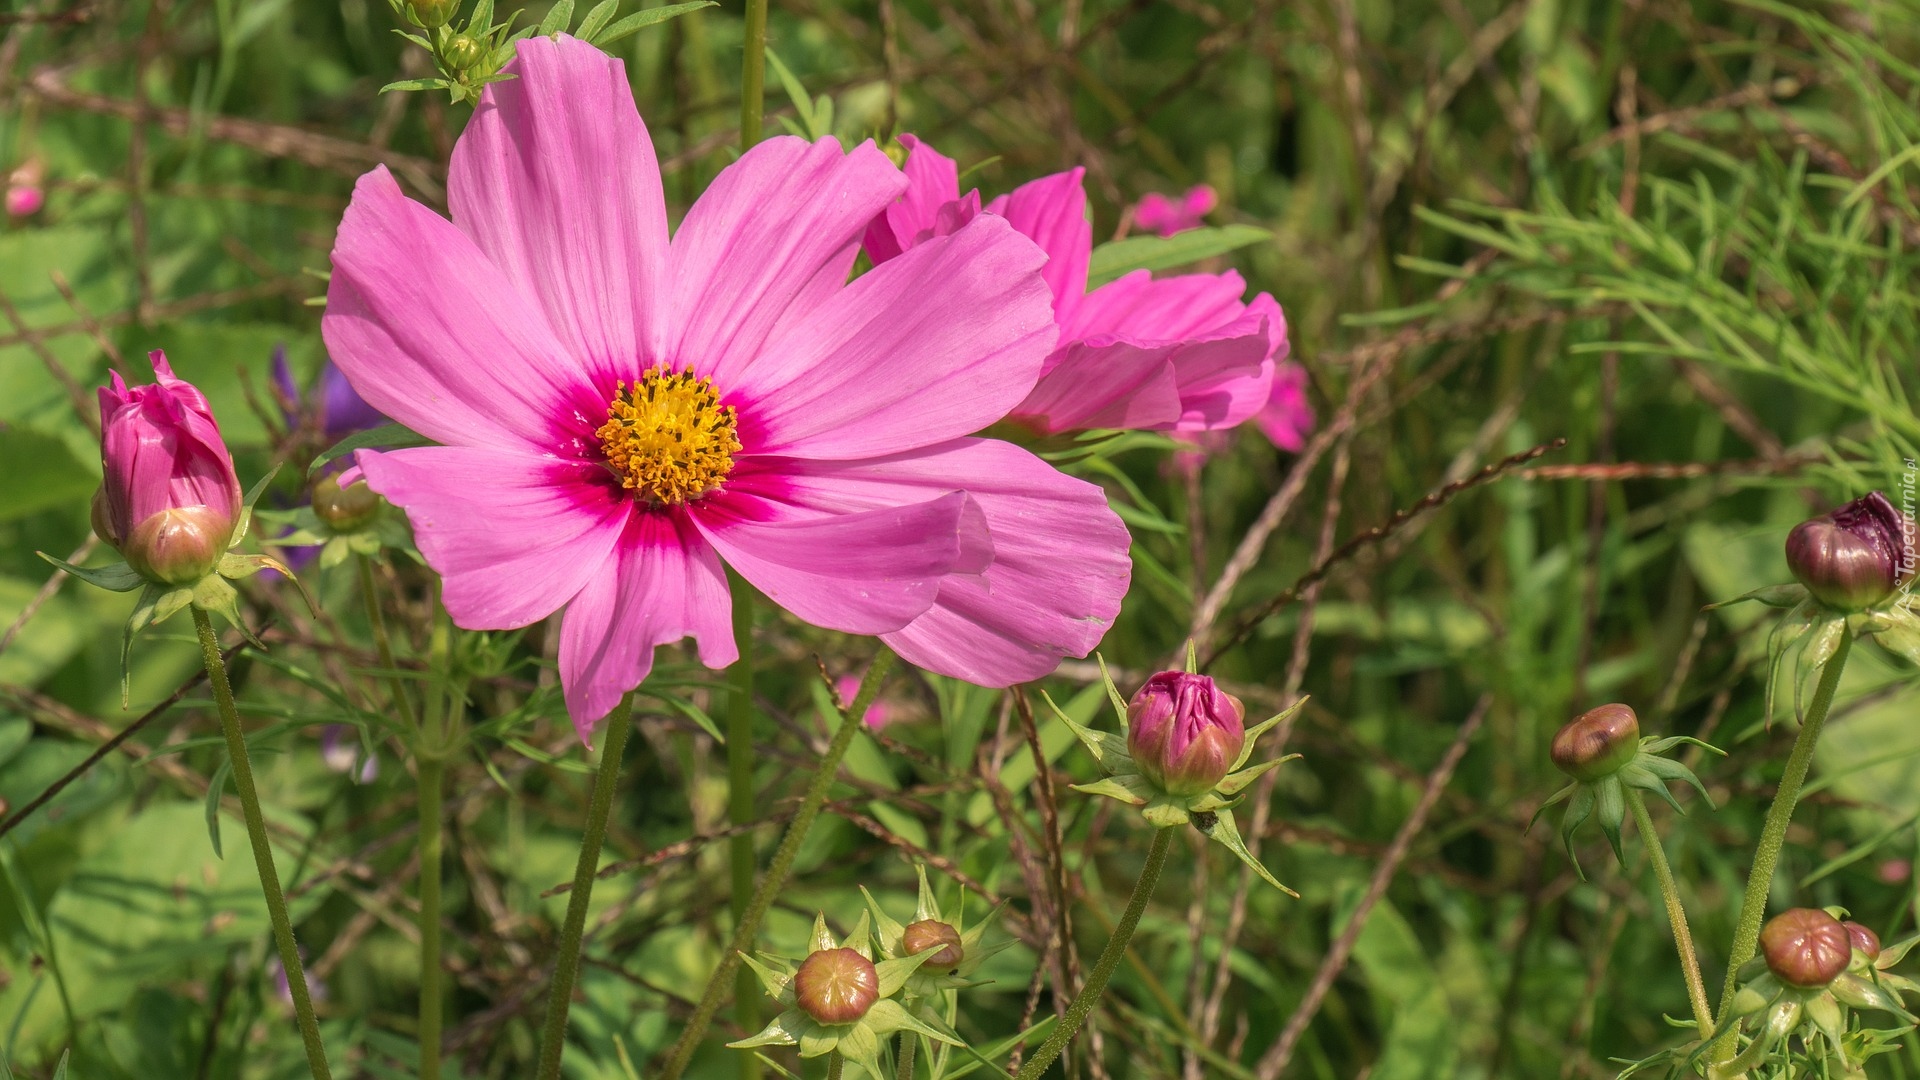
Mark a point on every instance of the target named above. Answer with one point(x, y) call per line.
point(668, 438)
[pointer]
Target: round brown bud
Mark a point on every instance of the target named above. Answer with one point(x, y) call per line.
point(344, 509)
point(1854, 557)
point(934, 934)
point(1864, 940)
point(836, 986)
point(179, 546)
point(1597, 743)
point(1805, 947)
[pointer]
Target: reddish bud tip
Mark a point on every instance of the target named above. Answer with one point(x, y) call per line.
point(934, 934)
point(836, 986)
point(179, 546)
point(344, 509)
point(1805, 947)
point(1854, 557)
point(1597, 743)
point(1864, 940)
point(1184, 732)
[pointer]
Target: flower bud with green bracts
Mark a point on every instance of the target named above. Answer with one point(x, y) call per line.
point(1605, 754)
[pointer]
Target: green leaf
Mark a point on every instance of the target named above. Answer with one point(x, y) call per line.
point(415, 84)
point(596, 18)
point(1130, 788)
point(1121, 257)
point(1219, 828)
point(216, 788)
point(557, 18)
point(796, 93)
point(640, 20)
point(56, 478)
point(384, 437)
point(119, 577)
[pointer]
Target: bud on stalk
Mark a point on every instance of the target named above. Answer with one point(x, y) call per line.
point(1805, 948)
point(836, 986)
point(1184, 732)
point(1855, 557)
point(1597, 743)
point(934, 934)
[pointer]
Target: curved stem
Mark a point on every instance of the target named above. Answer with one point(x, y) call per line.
point(566, 966)
point(1773, 836)
point(1676, 913)
point(777, 872)
point(740, 808)
point(909, 1046)
point(262, 853)
point(1089, 995)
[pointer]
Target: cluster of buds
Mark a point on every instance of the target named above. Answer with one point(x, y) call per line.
point(953, 952)
point(1181, 755)
point(170, 504)
point(839, 999)
point(1812, 968)
point(1854, 568)
point(468, 57)
point(1603, 753)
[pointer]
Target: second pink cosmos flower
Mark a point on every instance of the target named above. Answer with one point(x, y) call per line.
point(621, 412)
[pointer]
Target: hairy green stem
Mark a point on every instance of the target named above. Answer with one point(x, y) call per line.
point(740, 809)
point(1676, 913)
point(262, 853)
point(383, 645)
point(1773, 836)
point(432, 772)
point(835, 1065)
point(775, 879)
point(566, 966)
point(753, 74)
point(1089, 995)
point(909, 1047)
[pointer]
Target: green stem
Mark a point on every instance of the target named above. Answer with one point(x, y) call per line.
point(775, 880)
point(432, 771)
point(835, 1065)
point(1676, 912)
point(1773, 836)
point(1089, 995)
point(909, 1047)
point(753, 74)
point(566, 967)
point(740, 808)
point(262, 853)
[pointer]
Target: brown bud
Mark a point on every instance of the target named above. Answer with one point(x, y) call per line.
point(836, 986)
point(1805, 947)
point(934, 934)
point(1597, 743)
point(1855, 556)
point(1864, 940)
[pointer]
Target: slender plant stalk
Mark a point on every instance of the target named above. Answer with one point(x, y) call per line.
point(383, 644)
point(1773, 836)
point(909, 1047)
point(753, 74)
point(1676, 913)
point(431, 767)
point(775, 879)
point(1089, 995)
point(566, 967)
point(262, 853)
point(835, 1065)
point(740, 808)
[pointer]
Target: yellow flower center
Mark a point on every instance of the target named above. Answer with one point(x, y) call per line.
point(668, 437)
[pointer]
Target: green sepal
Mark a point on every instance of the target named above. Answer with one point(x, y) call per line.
point(1578, 811)
point(821, 937)
point(888, 1016)
point(1254, 733)
point(1113, 694)
point(1165, 812)
point(1108, 749)
point(1130, 788)
point(782, 1030)
point(1816, 649)
point(887, 933)
point(119, 577)
point(895, 973)
point(213, 595)
point(1896, 952)
point(1825, 1013)
point(1552, 800)
point(1902, 635)
point(1610, 806)
point(776, 980)
point(245, 517)
point(1662, 745)
point(1650, 773)
point(1755, 996)
point(1219, 828)
point(1775, 596)
point(1867, 994)
point(819, 1040)
point(1237, 781)
point(1788, 630)
point(926, 905)
point(1213, 800)
point(859, 1045)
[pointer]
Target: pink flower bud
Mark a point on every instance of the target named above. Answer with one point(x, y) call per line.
point(1184, 732)
point(1864, 940)
point(1853, 557)
point(25, 200)
point(836, 986)
point(1597, 743)
point(1805, 947)
point(161, 451)
point(934, 934)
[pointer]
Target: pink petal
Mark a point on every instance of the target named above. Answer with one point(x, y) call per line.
point(864, 573)
point(668, 585)
point(1052, 211)
point(1060, 562)
point(933, 345)
point(773, 237)
point(556, 180)
point(430, 333)
point(1155, 213)
point(933, 180)
point(1141, 307)
point(1288, 415)
point(1198, 202)
point(1118, 385)
point(513, 536)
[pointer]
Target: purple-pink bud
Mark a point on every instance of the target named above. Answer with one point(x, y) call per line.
point(934, 934)
point(161, 450)
point(1805, 947)
point(1864, 940)
point(1184, 732)
point(1853, 557)
point(836, 986)
point(1597, 743)
point(25, 201)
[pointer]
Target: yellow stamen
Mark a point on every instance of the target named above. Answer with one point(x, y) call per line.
point(668, 437)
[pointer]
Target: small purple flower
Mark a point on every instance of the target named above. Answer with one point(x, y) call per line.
point(335, 409)
point(340, 750)
point(1184, 732)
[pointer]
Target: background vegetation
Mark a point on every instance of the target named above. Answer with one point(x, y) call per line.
point(1674, 233)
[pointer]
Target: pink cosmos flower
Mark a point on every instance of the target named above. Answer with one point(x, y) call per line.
point(622, 412)
point(169, 498)
point(879, 714)
point(1155, 213)
point(1180, 353)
